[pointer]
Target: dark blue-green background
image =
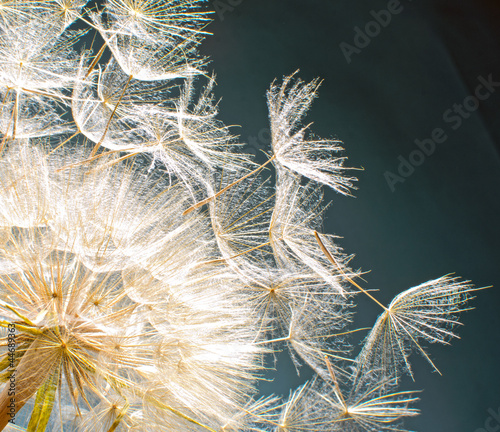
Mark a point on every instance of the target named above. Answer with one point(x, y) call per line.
point(444, 217)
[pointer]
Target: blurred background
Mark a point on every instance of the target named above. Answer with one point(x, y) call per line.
point(394, 72)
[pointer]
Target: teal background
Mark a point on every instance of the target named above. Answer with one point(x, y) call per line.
point(444, 217)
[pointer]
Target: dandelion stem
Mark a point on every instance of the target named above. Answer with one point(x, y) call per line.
point(65, 141)
point(86, 161)
point(207, 200)
point(180, 414)
point(338, 393)
point(221, 260)
point(336, 264)
point(119, 418)
point(15, 115)
point(96, 60)
point(111, 117)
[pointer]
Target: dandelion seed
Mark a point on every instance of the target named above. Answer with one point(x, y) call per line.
point(153, 49)
point(428, 312)
point(313, 158)
point(321, 406)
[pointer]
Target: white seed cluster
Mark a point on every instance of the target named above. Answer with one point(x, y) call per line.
point(148, 270)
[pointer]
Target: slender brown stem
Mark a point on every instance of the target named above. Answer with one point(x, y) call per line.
point(6, 133)
point(111, 117)
point(15, 115)
point(339, 394)
point(161, 405)
point(65, 141)
point(96, 59)
point(207, 200)
point(220, 260)
point(336, 264)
